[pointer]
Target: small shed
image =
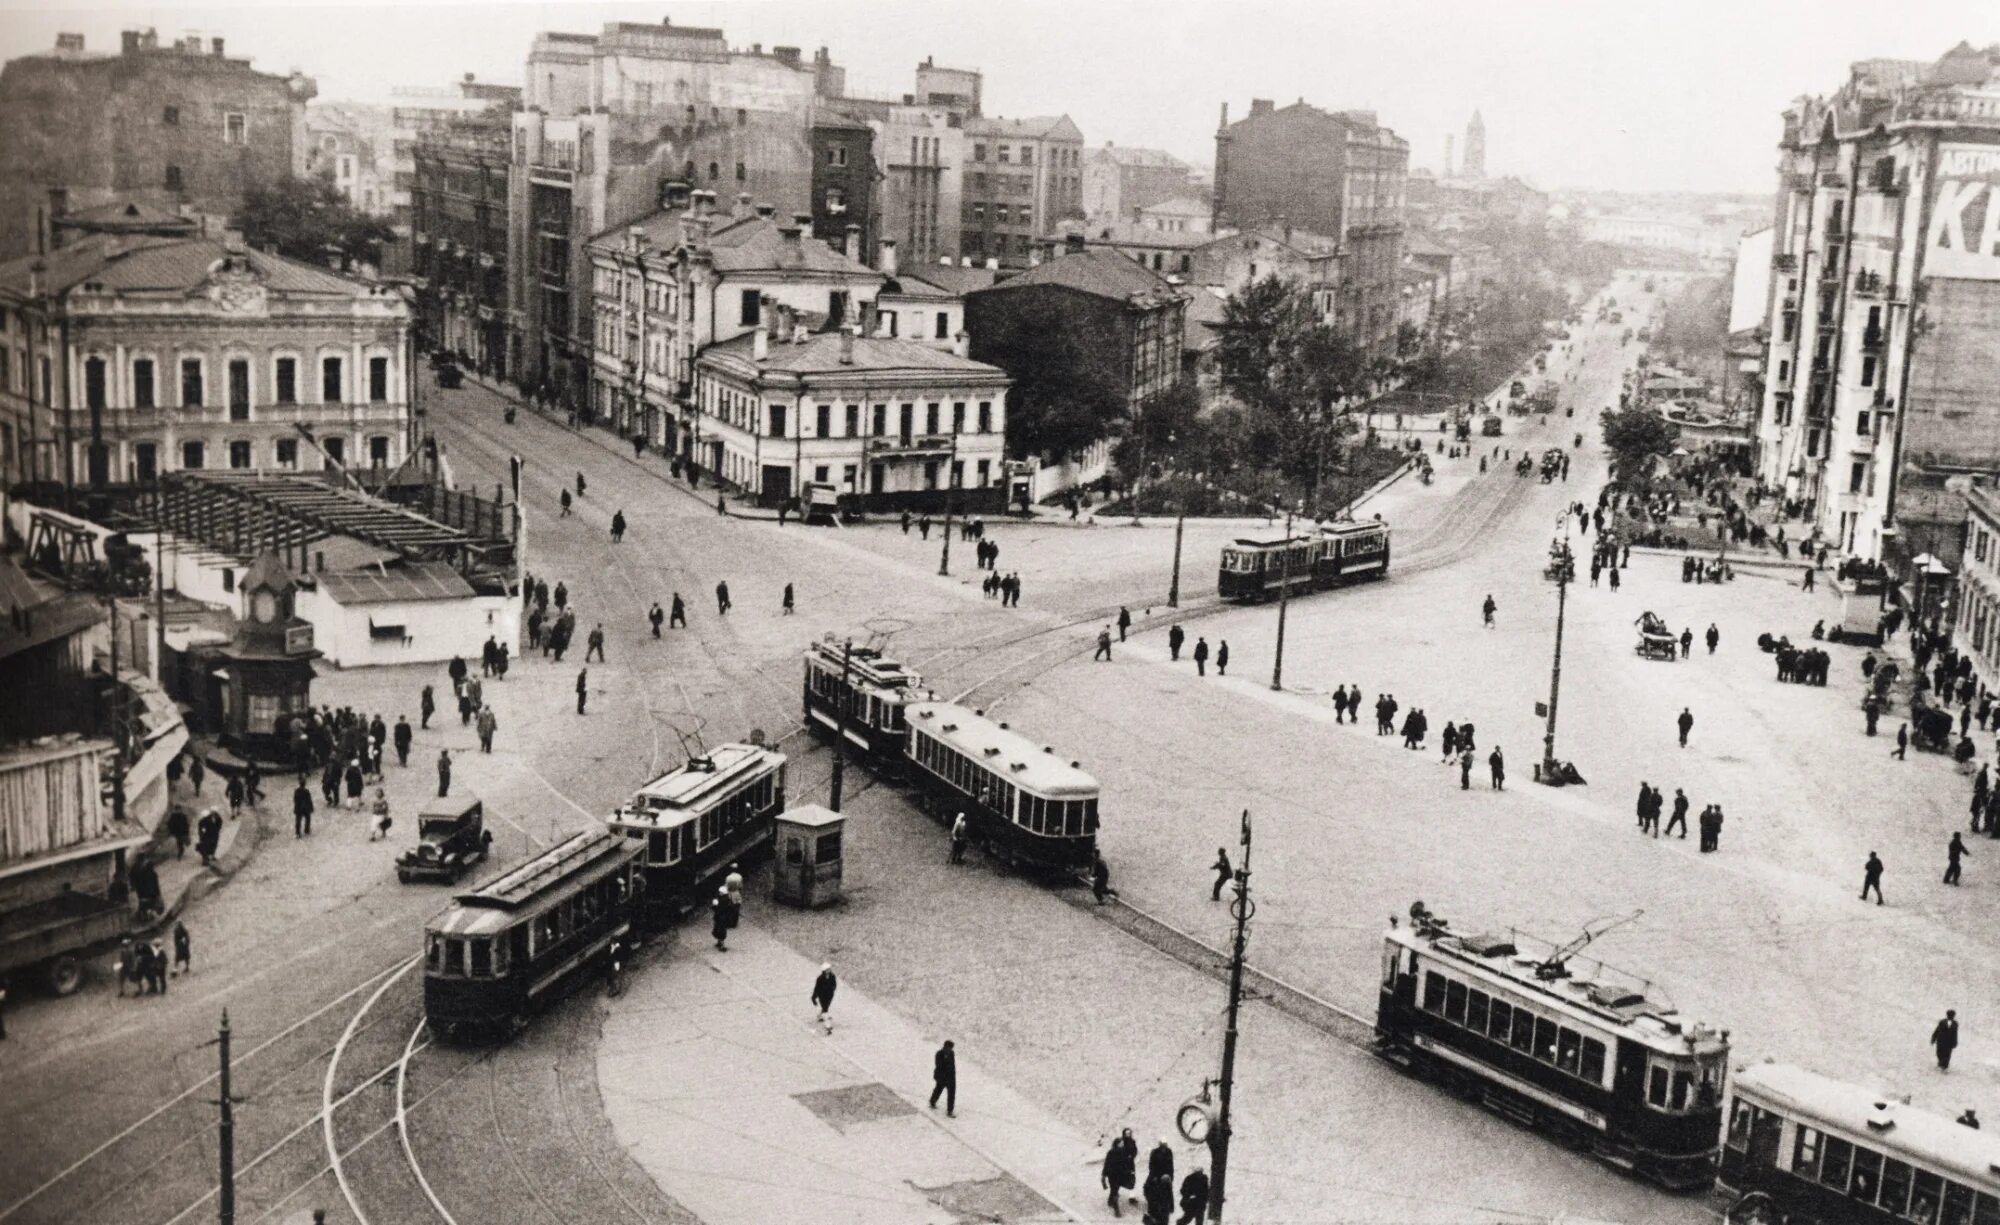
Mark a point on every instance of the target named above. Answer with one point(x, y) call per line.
point(807, 871)
point(416, 612)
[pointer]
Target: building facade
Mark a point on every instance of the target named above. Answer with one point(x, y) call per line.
point(458, 236)
point(1312, 261)
point(844, 186)
point(1023, 176)
point(122, 359)
point(414, 112)
point(1978, 600)
point(1120, 181)
point(1881, 398)
point(161, 125)
point(1340, 174)
point(341, 148)
point(895, 423)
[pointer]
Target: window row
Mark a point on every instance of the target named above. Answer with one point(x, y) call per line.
point(668, 846)
point(1501, 1021)
point(742, 411)
point(583, 914)
point(1034, 813)
point(1869, 1177)
point(1003, 214)
point(144, 383)
point(241, 453)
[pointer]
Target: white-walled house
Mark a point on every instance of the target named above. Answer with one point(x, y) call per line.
point(417, 612)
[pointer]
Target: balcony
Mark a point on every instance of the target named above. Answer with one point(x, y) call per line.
point(1783, 262)
point(1951, 109)
point(920, 445)
point(1871, 340)
point(1868, 284)
point(1833, 180)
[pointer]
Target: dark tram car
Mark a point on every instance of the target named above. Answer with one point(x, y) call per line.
point(1591, 1062)
point(694, 821)
point(1020, 800)
point(503, 952)
point(1351, 552)
point(860, 693)
point(1802, 1148)
point(1255, 569)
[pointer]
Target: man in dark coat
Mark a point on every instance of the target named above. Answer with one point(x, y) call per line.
point(1201, 657)
point(1118, 1172)
point(1871, 878)
point(1194, 1198)
point(1954, 851)
point(402, 736)
point(678, 617)
point(1497, 765)
point(1944, 1036)
point(444, 773)
point(209, 836)
point(302, 811)
point(1175, 637)
point(177, 829)
point(822, 993)
point(944, 1078)
point(1224, 873)
point(1686, 724)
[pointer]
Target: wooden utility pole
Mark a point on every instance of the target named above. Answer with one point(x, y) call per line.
point(1218, 1139)
point(1565, 567)
point(225, 1192)
point(840, 728)
point(1174, 588)
point(1284, 601)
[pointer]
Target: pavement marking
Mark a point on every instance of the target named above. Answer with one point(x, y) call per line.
point(327, 1104)
point(402, 1120)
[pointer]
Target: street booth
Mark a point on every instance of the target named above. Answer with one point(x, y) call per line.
point(807, 869)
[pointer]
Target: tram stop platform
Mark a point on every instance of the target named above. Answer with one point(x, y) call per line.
point(719, 1081)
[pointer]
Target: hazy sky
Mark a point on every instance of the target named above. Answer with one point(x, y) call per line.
point(1644, 96)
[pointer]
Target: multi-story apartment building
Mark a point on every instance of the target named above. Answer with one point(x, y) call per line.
point(1312, 261)
point(689, 276)
point(1022, 177)
point(161, 126)
point(342, 148)
point(413, 112)
point(458, 229)
point(1119, 181)
point(918, 150)
point(1341, 174)
point(844, 186)
point(126, 356)
point(1977, 614)
point(610, 118)
point(1882, 376)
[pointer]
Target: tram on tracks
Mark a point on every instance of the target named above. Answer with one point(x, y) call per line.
point(1802, 1147)
point(862, 694)
point(1025, 804)
point(1256, 568)
point(506, 950)
point(1593, 1061)
point(691, 823)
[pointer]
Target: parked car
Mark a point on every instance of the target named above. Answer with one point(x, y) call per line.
point(451, 837)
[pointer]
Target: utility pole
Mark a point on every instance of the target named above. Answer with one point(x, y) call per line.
point(1284, 600)
point(1218, 1139)
point(225, 1191)
point(1174, 588)
point(118, 712)
point(1565, 568)
point(840, 729)
point(160, 590)
point(950, 503)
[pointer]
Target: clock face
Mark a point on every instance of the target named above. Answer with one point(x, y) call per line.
point(1194, 1122)
point(264, 607)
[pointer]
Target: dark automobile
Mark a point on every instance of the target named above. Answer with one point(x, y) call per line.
point(451, 837)
point(450, 376)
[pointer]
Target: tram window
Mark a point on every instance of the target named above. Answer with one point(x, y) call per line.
point(1895, 1195)
point(1500, 1021)
point(1957, 1205)
point(1090, 815)
point(1545, 1039)
point(1569, 1050)
point(1986, 1210)
point(1867, 1175)
point(1476, 1005)
point(500, 957)
point(517, 939)
point(1835, 1162)
point(1433, 991)
point(1739, 1125)
point(1805, 1153)
point(434, 958)
point(454, 957)
point(1683, 1089)
point(657, 848)
point(1925, 1191)
point(1656, 1087)
point(1592, 1067)
point(1523, 1038)
point(482, 958)
point(1454, 1003)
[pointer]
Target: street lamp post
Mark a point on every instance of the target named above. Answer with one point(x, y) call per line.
point(950, 503)
point(1180, 526)
point(1565, 566)
point(1218, 1140)
point(1284, 601)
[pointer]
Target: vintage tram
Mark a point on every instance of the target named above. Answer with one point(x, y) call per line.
point(1349, 551)
point(1026, 805)
point(1591, 1061)
point(862, 694)
point(693, 822)
point(504, 951)
point(1802, 1147)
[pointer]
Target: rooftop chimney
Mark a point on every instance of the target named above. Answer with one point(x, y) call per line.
point(232, 241)
point(847, 346)
point(885, 257)
point(802, 220)
point(468, 78)
point(992, 264)
point(851, 242)
point(1072, 243)
point(965, 261)
point(760, 339)
point(742, 209)
point(673, 195)
point(767, 211)
point(128, 41)
point(1259, 106)
point(215, 47)
point(961, 344)
point(635, 240)
point(792, 235)
point(74, 42)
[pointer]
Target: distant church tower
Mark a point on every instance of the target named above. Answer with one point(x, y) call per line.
point(1474, 165)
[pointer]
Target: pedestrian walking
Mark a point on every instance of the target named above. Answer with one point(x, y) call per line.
point(1713, 636)
point(1124, 621)
point(1614, 578)
point(1954, 851)
point(1806, 583)
point(1944, 1036)
point(302, 811)
point(617, 526)
point(1194, 1198)
point(1687, 642)
point(1969, 1119)
point(354, 780)
point(1118, 1173)
point(1711, 828)
point(486, 724)
point(233, 791)
point(1201, 657)
point(1498, 766)
point(579, 484)
point(582, 689)
point(678, 618)
point(1160, 1161)
point(1175, 636)
point(906, 522)
point(1158, 1195)
point(1224, 873)
point(1686, 724)
point(426, 707)
point(958, 837)
point(1902, 742)
point(1100, 878)
point(378, 826)
point(444, 773)
point(1103, 646)
point(1465, 770)
point(196, 772)
point(183, 949)
point(1222, 657)
point(1871, 878)
point(1487, 610)
point(822, 994)
point(655, 618)
point(788, 606)
point(1679, 821)
point(177, 829)
point(564, 501)
point(944, 1078)
point(402, 736)
point(723, 910)
point(722, 599)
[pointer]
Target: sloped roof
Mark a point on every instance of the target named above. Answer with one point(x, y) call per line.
point(413, 583)
point(127, 215)
point(1034, 127)
point(745, 244)
point(916, 285)
point(956, 278)
point(124, 264)
point(820, 354)
point(1137, 234)
point(1418, 242)
point(1193, 206)
point(1094, 271)
point(1132, 155)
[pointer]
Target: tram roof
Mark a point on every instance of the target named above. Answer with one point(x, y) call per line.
point(1877, 1120)
point(1611, 996)
point(1270, 542)
point(866, 665)
point(1023, 762)
point(548, 874)
point(1353, 527)
point(693, 786)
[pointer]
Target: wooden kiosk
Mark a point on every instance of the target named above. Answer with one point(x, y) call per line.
point(806, 869)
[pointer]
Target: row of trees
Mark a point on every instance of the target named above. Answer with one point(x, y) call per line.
point(308, 220)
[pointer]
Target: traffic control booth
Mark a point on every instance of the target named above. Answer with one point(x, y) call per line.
point(807, 870)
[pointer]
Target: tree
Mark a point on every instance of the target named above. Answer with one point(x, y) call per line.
point(1288, 369)
point(1063, 400)
point(1635, 436)
point(306, 219)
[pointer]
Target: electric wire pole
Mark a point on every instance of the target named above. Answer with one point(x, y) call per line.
point(1565, 568)
point(840, 729)
point(1218, 1140)
point(1174, 588)
point(225, 1192)
point(1284, 599)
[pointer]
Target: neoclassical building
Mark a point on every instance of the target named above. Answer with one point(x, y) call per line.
point(123, 357)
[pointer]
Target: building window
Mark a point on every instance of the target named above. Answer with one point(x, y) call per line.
point(142, 383)
point(94, 382)
point(329, 380)
point(742, 117)
point(742, 173)
point(378, 379)
point(777, 421)
point(881, 421)
point(824, 423)
point(171, 116)
point(985, 473)
point(191, 386)
point(837, 155)
point(287, 380)
point(146, 461)
point(1001, 155)
point(239, 454)
point(986, 416)
point(943, 325)
point(1856, 474)
point(908, 423)
point(752, 310)
point(191, 455)
point(836, 307)
point(978, 152)
point(889, 323)
point(287, 452)
point(335, 450)
point(958, 417)
point(931, 418)
point(853, 420)
point(714, 171)
point(234, 128)
point(239, 390)
point(378, 450)
point(1868, 371)
point(172, 181)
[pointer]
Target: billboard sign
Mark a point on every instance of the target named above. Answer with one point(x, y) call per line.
point(1964, 238)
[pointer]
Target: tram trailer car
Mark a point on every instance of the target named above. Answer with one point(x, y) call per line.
point(691, 823)
point(863, 695)
point(1025, 804)
point(507, 950)
point(1256, 568)
point(1802, 1147)
point(1353, 552)
point(1594, 1064)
